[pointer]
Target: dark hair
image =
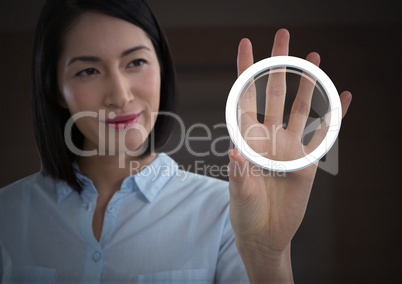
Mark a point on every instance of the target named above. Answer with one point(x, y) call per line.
point(49, 117)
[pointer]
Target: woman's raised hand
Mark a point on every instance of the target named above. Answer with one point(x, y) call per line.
point(266, 209)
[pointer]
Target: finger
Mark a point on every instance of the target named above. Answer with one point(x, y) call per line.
point(321, 132)
point(281, 43)
point(247, 112)
point(276, 86)
point(302, 103)
point(244, 56)
point(346, 99)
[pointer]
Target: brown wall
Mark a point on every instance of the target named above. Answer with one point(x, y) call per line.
point(352, 230)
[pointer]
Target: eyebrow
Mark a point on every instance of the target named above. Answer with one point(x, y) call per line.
point(98, 59)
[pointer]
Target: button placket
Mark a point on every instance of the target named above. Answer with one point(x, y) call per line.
point(110, 220)
point(111, 208)
point(86, 217)
point(87, 206)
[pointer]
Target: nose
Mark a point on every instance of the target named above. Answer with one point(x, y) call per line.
point(119, 92)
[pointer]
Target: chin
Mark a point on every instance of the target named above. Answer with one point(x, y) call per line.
point(132, 147)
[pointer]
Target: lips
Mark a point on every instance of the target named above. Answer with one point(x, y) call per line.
point(123, 121)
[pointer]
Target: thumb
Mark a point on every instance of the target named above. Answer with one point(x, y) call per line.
point(239, 171)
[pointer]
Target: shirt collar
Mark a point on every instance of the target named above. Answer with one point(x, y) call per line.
point(149, 181)
point(63, 190)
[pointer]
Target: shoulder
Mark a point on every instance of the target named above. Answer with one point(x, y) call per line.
point(25, 190)
point(18, 185)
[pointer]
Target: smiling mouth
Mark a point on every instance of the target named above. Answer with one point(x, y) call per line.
point(123, 122)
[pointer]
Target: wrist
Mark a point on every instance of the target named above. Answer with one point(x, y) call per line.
point(266, 265)
point(256, 249)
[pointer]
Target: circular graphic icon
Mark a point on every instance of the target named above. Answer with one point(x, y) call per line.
point(246, 130)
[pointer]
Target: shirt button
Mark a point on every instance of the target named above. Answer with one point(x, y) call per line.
point(96, 256)
point(111, 208)
point(87, 206)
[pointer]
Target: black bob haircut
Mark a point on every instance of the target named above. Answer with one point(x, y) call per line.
point(49, 118)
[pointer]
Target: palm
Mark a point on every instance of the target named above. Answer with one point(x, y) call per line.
point(277, 202)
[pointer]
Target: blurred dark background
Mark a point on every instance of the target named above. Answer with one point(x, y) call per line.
point(352, 229)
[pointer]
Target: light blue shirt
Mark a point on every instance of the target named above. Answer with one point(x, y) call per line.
point(164, 225)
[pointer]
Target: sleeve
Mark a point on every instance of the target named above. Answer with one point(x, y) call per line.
point(230, 267)
point(5, 265)
point(1, 264)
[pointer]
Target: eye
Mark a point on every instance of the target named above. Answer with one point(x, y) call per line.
point(137, 63)
point(87, 72)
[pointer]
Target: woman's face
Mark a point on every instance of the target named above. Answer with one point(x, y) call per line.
point(109, 78)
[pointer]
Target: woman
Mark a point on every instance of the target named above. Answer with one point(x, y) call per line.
point(102, 73)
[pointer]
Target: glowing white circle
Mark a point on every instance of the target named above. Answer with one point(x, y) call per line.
point(334, 106)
